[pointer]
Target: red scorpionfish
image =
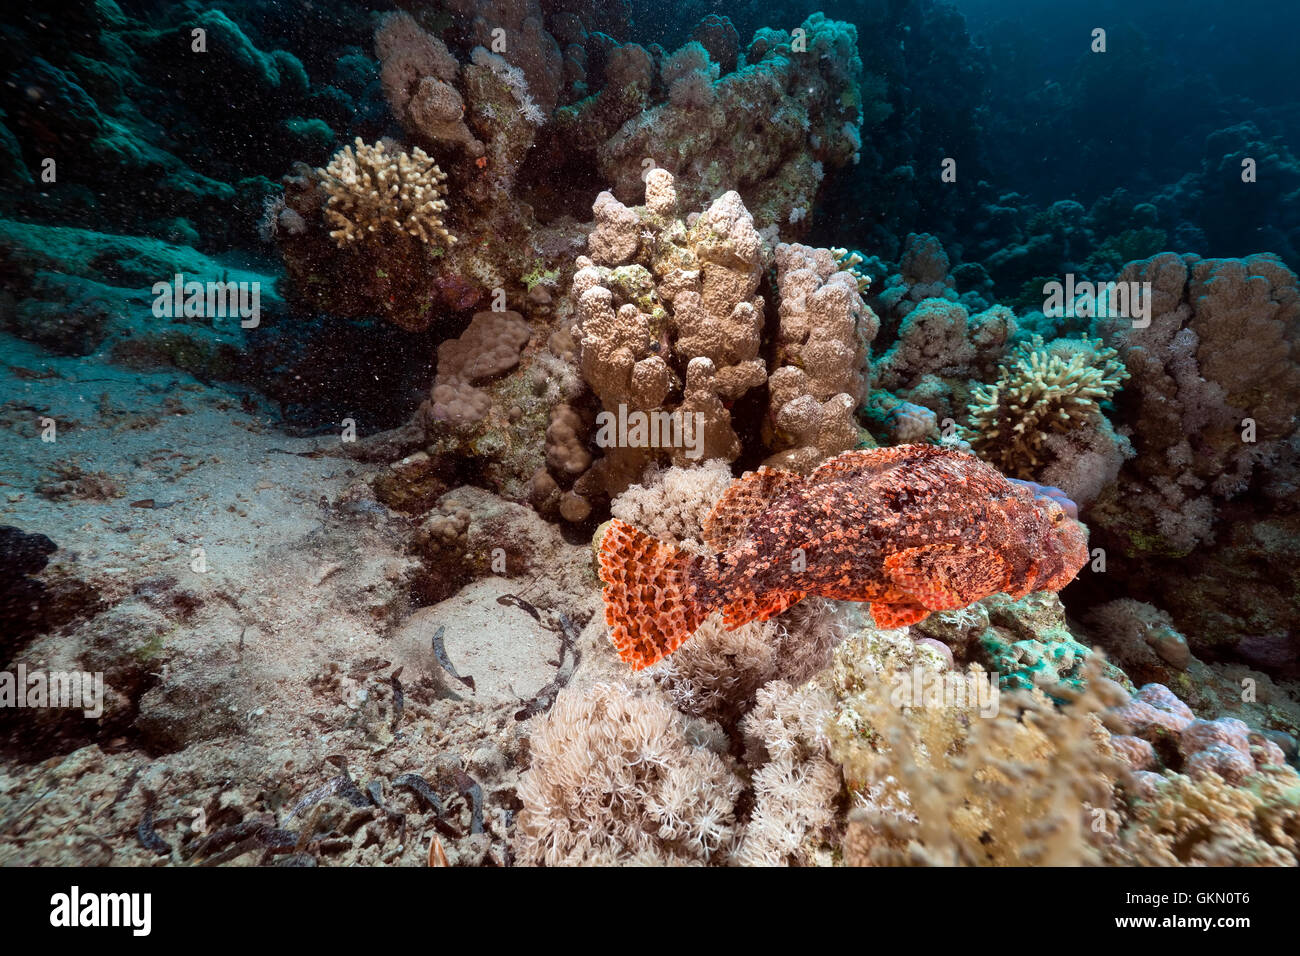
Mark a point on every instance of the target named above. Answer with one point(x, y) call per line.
point(911, 529)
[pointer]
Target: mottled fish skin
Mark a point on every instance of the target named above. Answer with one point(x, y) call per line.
point(910, 529)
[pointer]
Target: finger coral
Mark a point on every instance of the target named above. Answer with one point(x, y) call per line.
point(822, 345)
point(652, 280)
point(372, 189)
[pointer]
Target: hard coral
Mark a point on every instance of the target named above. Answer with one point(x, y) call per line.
point(667, 309)
point(372, 189)
point(1221, 347)
point(751, 130)
point(1048, 391)
point(489, 347)
point(822, 344)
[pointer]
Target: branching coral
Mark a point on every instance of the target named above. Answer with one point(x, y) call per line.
point(1048, 391)
point(373, 189)
point(848, 262)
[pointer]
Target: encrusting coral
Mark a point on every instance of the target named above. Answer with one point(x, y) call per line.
point(372, 190)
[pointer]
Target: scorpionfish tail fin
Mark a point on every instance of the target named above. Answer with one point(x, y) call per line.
point(650, 600)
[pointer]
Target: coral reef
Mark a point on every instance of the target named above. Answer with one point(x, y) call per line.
point(584, 336)
point(750, 129)
point(1220, 348)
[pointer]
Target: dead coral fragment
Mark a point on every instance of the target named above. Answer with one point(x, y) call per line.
point(1056, 388)
point(371, 189)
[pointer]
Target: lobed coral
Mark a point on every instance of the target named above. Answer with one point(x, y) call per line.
point(821, 356)
point(750, 129)
point(1221, 347)
point(489, 347)
point(665, 310)
point(417, 71)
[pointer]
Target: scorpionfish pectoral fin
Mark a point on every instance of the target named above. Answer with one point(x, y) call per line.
point(650, 600)
point(942, 577)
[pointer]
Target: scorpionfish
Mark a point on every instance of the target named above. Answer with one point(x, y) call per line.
point(910, 529)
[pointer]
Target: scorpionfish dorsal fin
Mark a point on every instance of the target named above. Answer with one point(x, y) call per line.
point(850, 464)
